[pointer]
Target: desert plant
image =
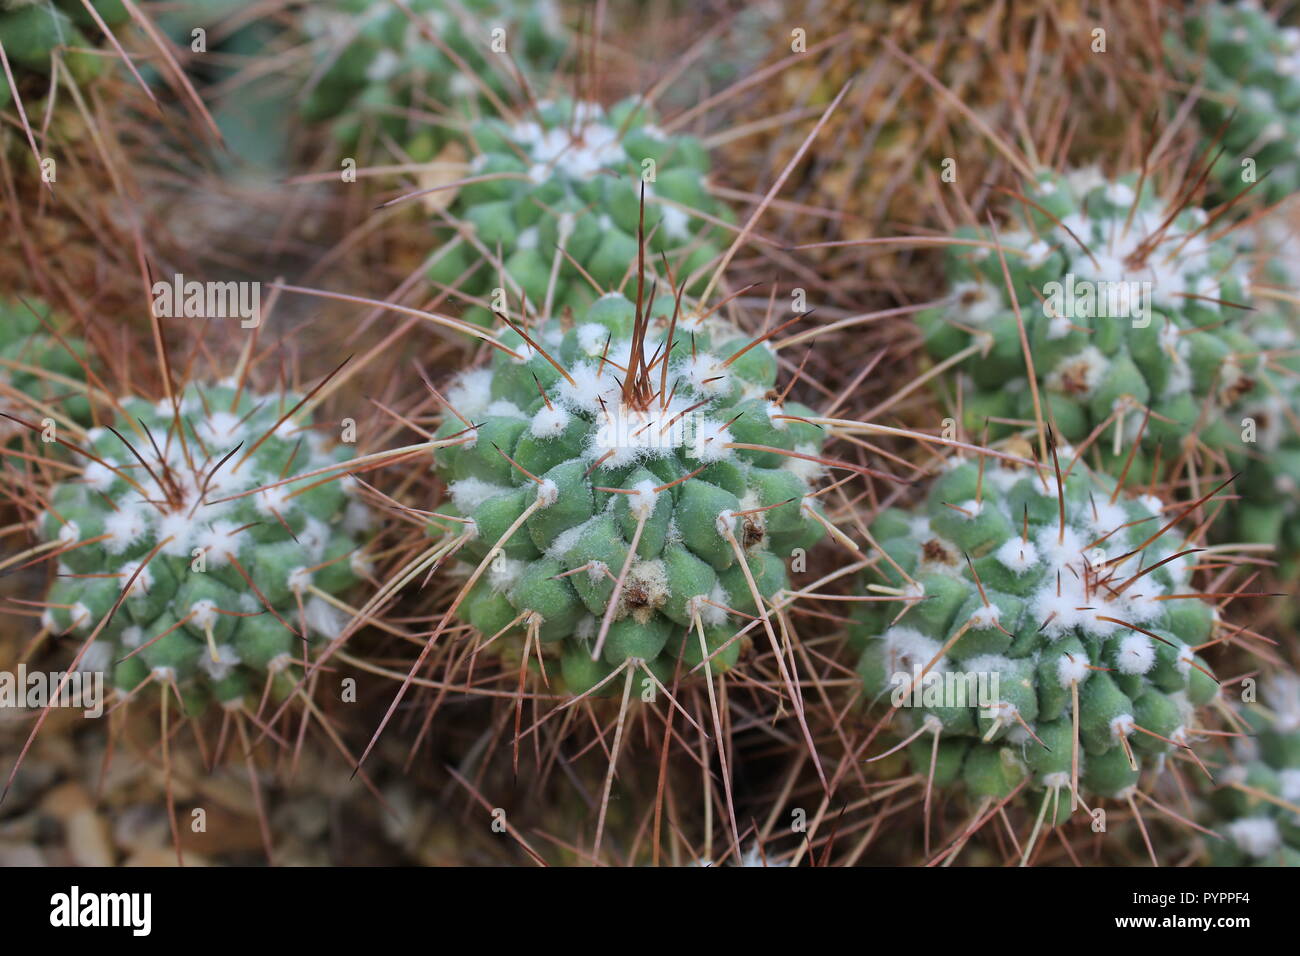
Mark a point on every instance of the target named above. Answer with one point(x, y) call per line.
point(1069, 603)
point(624, 484)
point(205, 543)
point(1249, 65)
point(552, 205)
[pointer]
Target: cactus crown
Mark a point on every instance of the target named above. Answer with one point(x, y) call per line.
point(637, 448)
point(221, 585)
point(563, 204)
point(1067, 593)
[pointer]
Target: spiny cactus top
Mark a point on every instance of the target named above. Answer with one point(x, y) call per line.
point(570, 176)
point(34, 31)
point(375, 65)
point(1254, 800)
point(221, 583)
point(1127, 305)
point(1077, 617)
point(1250, 68)
point(645, 462)
point(39, 374)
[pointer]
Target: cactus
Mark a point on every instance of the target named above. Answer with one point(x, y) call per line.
point(39, 369)
point(1065, 592)
point(222, 587)
point(1256, 805)
point(33, 32)
point(1250, 68)
point(636, 448)
point(1209, 359)
point(374, 65)
point(555, 191)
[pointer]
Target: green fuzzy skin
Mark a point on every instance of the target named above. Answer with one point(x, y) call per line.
point(34, 363)
point(34, 33)
point(1256, 831)
point(1036, 641)
point(576, 183)
point(683, 559)
point(376, 66)
point(1249, 64)
point(1202, 367)
point(320, 529)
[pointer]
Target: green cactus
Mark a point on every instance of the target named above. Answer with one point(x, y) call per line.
point(223, 588)
point(1195, 347)
point(373, 65)
point(572, 178)
point(1249, 66)
point(34, 32)
point(38, 372)
point(1254, 803)
point(985, 580)
point(622, 470)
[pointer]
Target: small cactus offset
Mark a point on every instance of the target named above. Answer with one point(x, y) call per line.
point(1250, 68)
point(229, 571)
point(1256, 802)
point(558, 203)
point(41, 372)
point(624, 483)
point(1074, 596)
point(375, 65)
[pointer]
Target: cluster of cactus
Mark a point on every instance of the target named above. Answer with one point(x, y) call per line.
point(375, 65)
point(1192, 345)
point(1255, 805)
point(1250, 69)
point(640, 450)
point(571, 177)
point(34, 32)
point(1068, 595)
point(40, 366)
point(229, 571)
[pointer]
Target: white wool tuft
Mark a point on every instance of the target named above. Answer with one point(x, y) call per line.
point(99, 477)
point(642, 501)
point(711, 440)
point(472, 393)
point(299, 580)
point(550, 421)
point(204, 613)
point(220, 543)
point(125, 527)
point(1255, 836)
point(1017, 555)
point(1136, 654)
point(548, 493)
point(985, 617)
point(468, 493)
point(1071, 669)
